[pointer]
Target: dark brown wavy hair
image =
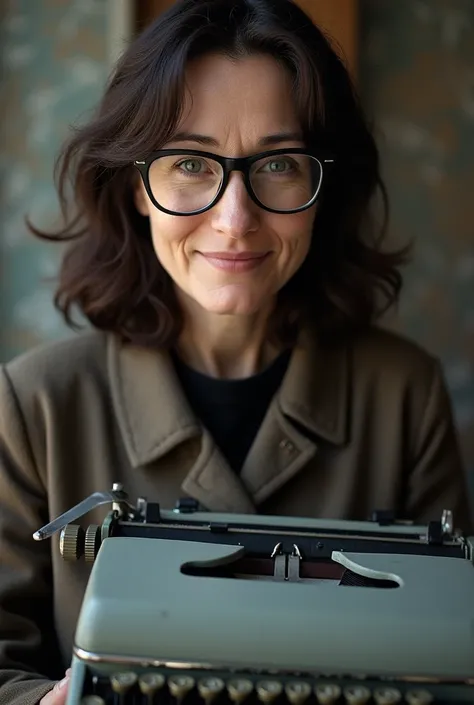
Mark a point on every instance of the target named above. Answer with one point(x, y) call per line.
point(110, 271)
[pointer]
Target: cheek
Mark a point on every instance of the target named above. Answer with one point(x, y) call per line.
point(295, 233)
point(170, 235)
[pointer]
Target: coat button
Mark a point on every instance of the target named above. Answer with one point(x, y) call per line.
point(287, 445)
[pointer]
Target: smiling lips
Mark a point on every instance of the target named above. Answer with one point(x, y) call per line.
point(235, 261)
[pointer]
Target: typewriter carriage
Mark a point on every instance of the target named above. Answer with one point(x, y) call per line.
point(75, 542)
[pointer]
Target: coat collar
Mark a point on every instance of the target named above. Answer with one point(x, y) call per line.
point(154, 417)
point(315, 390)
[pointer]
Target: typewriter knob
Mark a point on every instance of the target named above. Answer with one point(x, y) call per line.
point(357, 695)
point(71, 542)
point(418, 697)
point(327, 693)
point(387, 696)
point(180, 686)
point(297, 692)
point(91, 543)
point(268, 691)
point(239, 689)
point(209, 688)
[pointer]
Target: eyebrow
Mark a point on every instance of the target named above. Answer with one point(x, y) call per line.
point(208, 141)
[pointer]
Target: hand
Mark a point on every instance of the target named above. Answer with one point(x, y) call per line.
point(58, 695)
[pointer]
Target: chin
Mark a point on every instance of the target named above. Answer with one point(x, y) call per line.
point(233, 305)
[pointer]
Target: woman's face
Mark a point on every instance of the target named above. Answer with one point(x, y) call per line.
point(235, 106)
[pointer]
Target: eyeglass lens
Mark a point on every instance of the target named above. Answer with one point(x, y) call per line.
point(283, 182)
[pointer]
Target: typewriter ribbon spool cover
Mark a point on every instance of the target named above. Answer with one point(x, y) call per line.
point(201, 620)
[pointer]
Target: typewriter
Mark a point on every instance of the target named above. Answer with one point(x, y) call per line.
point(188, 607)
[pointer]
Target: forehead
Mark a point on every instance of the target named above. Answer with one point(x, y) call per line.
point(251, 95)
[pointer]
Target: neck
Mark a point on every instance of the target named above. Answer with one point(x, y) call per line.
point(230, 347)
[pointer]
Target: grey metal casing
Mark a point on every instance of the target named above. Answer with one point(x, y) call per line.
point(139, 604)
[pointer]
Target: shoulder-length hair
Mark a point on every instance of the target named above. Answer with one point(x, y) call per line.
point(110, 271)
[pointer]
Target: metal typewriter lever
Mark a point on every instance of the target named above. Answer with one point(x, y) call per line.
point(294, 564)
point(117, 496)
point(447, 522)
point(286, 566)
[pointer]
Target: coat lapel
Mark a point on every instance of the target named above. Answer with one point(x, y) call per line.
point(315, 391)
point(214, 484)
point(277, 454)
point(150, 406)
point(310, 405)
point(154, 417)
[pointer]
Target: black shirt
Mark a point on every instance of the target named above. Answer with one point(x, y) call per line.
point(232, 410)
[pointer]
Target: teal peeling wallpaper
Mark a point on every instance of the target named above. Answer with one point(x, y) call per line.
point(417, 80)
point(53, 68)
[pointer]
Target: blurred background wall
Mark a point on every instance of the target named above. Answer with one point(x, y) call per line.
point(416, 77)
point(53, 68)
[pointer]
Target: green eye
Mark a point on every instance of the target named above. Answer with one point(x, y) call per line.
point(191, 165)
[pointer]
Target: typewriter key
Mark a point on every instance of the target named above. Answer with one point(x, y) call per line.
point(239, 689)
point(268, 691)
point(92, 700)
point(327, 693)
point(123, 682)
point(210, 688)
point(418, 697)
point(357, 695)
point(150, 684)
point(387, 696)
point(180, 686)
point(297, 692)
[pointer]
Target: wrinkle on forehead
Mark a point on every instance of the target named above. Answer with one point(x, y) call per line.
point(238, 102)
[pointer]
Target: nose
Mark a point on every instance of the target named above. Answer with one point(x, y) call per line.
point(235, 215)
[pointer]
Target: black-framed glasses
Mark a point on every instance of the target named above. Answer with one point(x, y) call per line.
point(189, 181)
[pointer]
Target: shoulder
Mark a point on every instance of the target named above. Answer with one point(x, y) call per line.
point(53, 367)
point(388, 354)
point(54, 382)
point(399, 373)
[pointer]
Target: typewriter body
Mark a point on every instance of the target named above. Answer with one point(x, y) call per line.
point(186, 606)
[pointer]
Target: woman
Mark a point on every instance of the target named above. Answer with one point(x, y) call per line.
point(223, 255)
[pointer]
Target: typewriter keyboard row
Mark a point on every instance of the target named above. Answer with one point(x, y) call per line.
point(153, 688)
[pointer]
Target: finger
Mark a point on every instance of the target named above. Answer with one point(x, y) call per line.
point(57, 696)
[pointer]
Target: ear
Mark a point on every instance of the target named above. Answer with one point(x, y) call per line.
point(140, 198)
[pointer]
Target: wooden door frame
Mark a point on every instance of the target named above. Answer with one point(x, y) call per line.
point(339, 19)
